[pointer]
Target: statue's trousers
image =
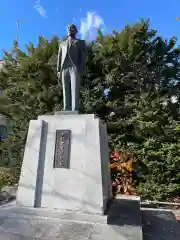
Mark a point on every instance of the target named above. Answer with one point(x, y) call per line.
point(71, 83)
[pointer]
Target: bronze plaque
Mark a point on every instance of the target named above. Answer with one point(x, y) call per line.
point(62, 149)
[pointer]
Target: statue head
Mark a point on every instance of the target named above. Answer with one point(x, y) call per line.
point(72, 30)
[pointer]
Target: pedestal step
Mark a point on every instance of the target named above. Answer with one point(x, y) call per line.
point(16, 212)
point(122, 223)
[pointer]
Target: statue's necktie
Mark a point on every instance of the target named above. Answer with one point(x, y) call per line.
point(69, 44)
point(70, 41)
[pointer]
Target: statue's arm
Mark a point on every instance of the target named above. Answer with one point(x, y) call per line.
point(59, 58)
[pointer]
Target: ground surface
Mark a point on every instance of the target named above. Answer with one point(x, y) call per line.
point(160, 225)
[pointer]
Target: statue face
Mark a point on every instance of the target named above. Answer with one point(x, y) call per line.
point(72, 30)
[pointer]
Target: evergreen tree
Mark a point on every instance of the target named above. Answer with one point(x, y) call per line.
point(30, 89)
point(139, 69)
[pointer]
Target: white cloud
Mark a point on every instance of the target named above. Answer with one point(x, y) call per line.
point(39, 8)
point(90, 25)
point(74, 19)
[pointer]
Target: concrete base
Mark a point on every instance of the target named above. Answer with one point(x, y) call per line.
point(122, 223)
point(85, 185)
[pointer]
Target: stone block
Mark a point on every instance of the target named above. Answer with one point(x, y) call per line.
point(85, 185)
point(32, 156)
point(39, 223)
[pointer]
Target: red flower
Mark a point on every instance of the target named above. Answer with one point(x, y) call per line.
point(127, 193)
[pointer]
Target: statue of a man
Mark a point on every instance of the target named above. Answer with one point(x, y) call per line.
point(70, 66)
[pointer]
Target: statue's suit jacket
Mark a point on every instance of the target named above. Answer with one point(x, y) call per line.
point(77, 53)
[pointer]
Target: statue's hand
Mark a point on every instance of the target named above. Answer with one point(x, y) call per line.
point(58, 74)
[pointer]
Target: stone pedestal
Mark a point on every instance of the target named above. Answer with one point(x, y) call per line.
point(67, 169)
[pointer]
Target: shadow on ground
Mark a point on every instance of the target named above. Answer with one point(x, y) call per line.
point(160, 225)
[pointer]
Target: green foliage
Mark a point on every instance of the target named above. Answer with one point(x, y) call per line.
point(30, 89)
point(141, 71)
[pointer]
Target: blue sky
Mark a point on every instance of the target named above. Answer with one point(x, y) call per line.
point(48, 17)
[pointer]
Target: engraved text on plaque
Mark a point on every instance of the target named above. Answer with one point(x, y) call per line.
point(62, 149)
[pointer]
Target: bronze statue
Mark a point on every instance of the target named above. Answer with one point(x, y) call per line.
point(70, 66)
